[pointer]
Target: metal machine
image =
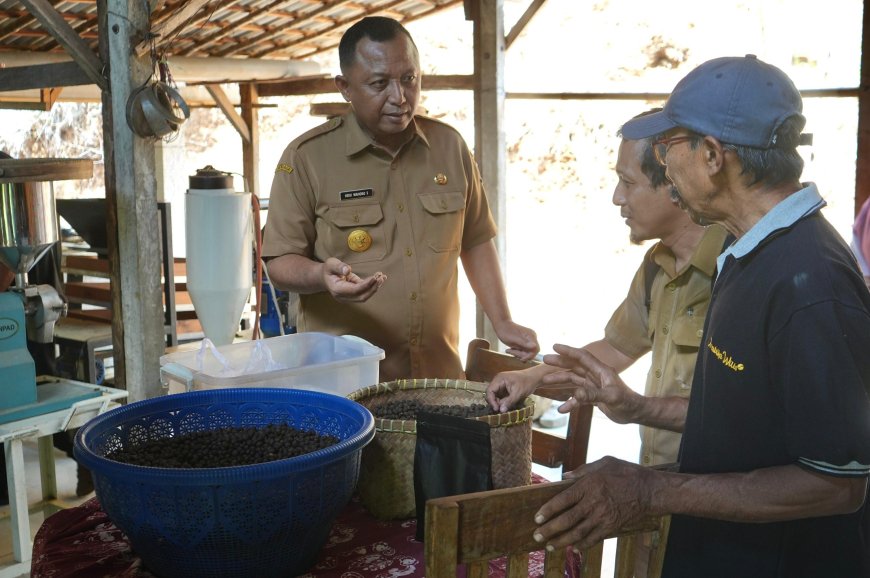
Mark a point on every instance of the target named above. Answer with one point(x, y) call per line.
point(28, 229)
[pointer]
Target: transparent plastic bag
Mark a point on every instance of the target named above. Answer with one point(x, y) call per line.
point(259, 361)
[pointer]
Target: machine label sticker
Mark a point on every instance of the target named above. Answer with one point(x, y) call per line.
point(8, 328)
point(357, 194)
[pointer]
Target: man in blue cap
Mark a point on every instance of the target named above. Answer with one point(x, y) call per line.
point(775, 454)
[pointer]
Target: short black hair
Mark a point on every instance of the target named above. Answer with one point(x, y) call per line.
point(375, 28)
point(649, 166)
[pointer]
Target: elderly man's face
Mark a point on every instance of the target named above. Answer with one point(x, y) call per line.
point(383, 86)
point(684, 167)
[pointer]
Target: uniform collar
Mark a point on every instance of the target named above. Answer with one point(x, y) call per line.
point(708, 249)
point(358, 139)
point(704, 257)
point(785, 214)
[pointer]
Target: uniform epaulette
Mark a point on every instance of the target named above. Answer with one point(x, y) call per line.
point(427, 118)
point(329, 126)
point(423, 119)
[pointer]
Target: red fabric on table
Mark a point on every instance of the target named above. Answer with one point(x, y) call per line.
point(82, 542)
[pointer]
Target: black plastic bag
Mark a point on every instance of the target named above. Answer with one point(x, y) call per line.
point(452, 456)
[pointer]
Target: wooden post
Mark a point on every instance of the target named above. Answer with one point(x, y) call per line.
point(131, 202)
point(251, 147)
point(489, 140)
point(862, 174)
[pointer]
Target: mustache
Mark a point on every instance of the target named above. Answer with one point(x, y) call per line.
point(678, 199)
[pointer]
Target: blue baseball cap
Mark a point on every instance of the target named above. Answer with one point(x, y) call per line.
point(741, 101)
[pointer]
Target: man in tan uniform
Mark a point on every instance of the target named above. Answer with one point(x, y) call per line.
point(664, 314)
point(370, 213)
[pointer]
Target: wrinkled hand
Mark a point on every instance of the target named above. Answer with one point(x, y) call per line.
point(348, 287)
point(508, 389)
point(608, 496)
point(595, 383)
point(521, 341)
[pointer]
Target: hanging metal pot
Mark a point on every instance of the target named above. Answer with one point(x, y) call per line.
point(156, 110)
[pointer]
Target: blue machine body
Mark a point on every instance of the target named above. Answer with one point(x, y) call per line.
point(16, 364)
point(271, 317)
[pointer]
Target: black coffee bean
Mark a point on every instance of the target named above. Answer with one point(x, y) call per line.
point(224, 447)
point(407, 409)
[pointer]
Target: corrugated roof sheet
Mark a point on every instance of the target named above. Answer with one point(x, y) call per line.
point(275, 29)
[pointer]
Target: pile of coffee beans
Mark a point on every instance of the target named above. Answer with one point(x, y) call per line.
point(225, 447)
point(409, 408)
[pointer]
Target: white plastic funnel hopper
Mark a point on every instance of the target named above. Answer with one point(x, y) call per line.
point(218, 230)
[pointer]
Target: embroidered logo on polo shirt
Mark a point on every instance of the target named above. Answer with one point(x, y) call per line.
point(723, 356)
point(357, 194)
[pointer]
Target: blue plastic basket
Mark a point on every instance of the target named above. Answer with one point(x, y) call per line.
point(258, 520)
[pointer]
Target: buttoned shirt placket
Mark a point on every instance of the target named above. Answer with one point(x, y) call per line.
point(402, 198)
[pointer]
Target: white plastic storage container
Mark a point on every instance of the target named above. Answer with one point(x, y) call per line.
point(315, 361)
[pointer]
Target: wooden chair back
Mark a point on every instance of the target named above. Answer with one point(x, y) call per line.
point(549, 450)
point(473, 529)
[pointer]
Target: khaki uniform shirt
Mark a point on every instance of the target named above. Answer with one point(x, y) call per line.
point(672, 329)
point(337, 195)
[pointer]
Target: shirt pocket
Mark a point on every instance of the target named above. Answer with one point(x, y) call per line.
point(355, 233)
point(443, 219)
point(689, 322)
point(687, 334)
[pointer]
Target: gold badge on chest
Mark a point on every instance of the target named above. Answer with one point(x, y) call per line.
point(359, 240)
point(440, 179)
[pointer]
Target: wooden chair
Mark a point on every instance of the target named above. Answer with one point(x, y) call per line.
point(473, 529)
point(552, 451)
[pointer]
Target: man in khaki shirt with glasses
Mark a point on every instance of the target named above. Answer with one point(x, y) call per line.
point(370, 213)
point(667, 300)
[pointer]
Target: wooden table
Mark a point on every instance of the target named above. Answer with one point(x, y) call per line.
point(83, 542)
point(41, 427)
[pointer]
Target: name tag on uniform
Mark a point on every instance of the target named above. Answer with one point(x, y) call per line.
point(357, 194)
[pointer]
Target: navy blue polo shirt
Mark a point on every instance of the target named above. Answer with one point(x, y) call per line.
point(782, 377)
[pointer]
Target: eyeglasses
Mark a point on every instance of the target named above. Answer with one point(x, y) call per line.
point(663, 145)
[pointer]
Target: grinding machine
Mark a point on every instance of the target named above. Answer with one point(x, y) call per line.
point(28, 229)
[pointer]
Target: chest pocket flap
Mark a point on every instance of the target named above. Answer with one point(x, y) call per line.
point(687, 331)
point(439, 203)
point(356, 215)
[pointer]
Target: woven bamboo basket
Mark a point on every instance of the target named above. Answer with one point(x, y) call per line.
point(386, 481)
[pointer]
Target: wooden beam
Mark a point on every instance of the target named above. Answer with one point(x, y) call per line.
point(21, 105)
point(652, 96)
point(165, 28)
point(251, 147)
point(131, 208)
point(67, 37)
point(223, 101)
point(326, 85)
point(489, 139)
point(862, 166)
point(42, 76)
point(521, 24)
point(48, 96)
